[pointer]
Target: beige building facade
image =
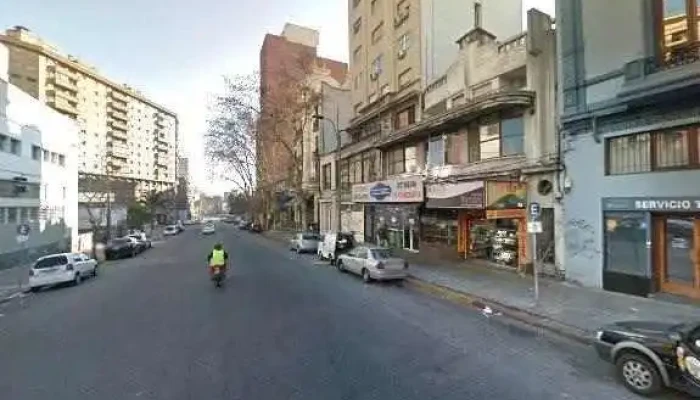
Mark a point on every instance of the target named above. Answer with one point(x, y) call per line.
point(122, 133)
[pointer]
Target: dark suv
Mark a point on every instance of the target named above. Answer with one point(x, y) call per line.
point(649, 356)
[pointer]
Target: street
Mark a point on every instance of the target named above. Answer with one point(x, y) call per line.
point(283, 327)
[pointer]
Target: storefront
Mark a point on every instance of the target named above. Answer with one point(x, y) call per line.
point(502, 235)
point(392, 211)
point(652, 245)
point(450, 209)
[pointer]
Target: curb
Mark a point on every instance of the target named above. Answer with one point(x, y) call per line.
point(526, 317)
point(11, 297)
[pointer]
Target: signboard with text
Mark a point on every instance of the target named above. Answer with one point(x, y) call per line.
point(651, 203)
point(408, 190)
point(466, 195)
point(503, 195)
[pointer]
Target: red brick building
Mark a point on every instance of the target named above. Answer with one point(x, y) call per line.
point(285, 59)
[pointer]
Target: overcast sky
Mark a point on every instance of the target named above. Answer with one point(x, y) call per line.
point(176, 51)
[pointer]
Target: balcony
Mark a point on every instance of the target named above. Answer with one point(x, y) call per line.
point(64, 105)
point(65, 82)
point(160, 163)
point(68, 72)
point(160, 146)
point(118, 134)
point(507, 98)
point(117, 105)
point(118, 151)
point(119, 96)
point(117, 125)
point(118, 115)
point(160, 123)
point(647, 79)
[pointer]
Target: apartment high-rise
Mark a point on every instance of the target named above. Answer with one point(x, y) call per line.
point(123, 135)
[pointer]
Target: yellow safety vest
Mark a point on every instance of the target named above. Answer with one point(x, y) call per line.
point(217, 258)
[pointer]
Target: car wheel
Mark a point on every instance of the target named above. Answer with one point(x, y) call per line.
point(366, 276)
point(340, 266)
point(34, 289)
point(298, 250)
point(639, 374)
point(77, 280)
point(133, 253)
point(94, 271)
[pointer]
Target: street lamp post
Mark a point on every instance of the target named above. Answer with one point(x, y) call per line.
point(337, 167)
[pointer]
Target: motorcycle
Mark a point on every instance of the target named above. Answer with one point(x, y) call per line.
point(218, 276)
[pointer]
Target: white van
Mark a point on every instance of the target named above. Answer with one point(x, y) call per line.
point(335, 244)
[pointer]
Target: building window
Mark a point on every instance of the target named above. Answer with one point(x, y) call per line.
point(327, 185)
point(54, 158)
point(3, 143)
point(435, 152)
point(356, 169)
point(512, 136)
point(655, 151)
point(395, 161)
point(378, 33)
point(62, 160)
point(678, 22)
point(15, 147)
point(356, 54)
point(356, 26)
point(47, 155)
point(403, 44)
point(402, 12)
point(368, 166)
point(489, 135)
point(376, 67)
point(625, 243)
point(36, 153)
point(12, 217)
point(374, 5)
point(405, 117)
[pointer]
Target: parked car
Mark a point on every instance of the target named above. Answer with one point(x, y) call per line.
point(244, 225)
point(61, 268)
point(140, 244)
point(649, 356)
point(335, 244)
point(209, 229)
point(120, 248)
point(144, 241)
point(373, 263)
point(171, 230)
point(305, 242)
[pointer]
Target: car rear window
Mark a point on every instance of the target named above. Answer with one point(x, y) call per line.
point(120, 241)
point(50, 262)
point(381, 254)
point(310, 236)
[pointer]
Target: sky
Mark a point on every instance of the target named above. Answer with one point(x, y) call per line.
point(177, 51)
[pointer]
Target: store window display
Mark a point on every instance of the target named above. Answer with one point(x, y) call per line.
point(495, 240)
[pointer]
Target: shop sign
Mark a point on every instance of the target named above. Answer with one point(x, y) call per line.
point(408, 190)
point(503, 195)
point(652, 203)
point(513, 213)
point(466, 195)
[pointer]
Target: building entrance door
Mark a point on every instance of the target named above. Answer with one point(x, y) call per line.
point(677, 254)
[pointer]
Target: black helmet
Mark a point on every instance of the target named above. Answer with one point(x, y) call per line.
point(218, 246)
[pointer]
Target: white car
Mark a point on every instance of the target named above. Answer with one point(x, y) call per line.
point(171, 230)
point(373, 263)
point(208, 229)
point(61, 268)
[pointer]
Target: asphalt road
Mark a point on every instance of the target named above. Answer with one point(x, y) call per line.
point(154, 327)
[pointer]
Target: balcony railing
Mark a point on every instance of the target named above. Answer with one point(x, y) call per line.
point(674, 58)
point(118, 134)
point(65, 82)
point(118, 115)
point(117, 95)
point(117, 125)
point(117, 105)
point(64, 105)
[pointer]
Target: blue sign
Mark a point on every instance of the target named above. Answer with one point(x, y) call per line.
point(535, 210)
point(380, 191)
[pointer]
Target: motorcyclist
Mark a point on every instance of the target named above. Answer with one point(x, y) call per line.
point(218, 258)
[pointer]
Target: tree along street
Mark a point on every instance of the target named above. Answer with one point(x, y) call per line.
point(283, 327)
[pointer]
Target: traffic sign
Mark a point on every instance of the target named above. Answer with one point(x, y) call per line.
point(534, 227)
point(535, 211)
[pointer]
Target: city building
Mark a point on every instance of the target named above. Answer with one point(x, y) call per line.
point(38, 177)
point(630, 122)
point(335, 110)
point(288, 63)
point(395, 49)
point(123, 135)
point(458, 181)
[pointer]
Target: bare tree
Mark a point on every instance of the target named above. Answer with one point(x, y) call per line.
point(243, 122)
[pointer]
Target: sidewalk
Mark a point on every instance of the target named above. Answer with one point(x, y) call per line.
point(10, 280)
point(568, 309)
